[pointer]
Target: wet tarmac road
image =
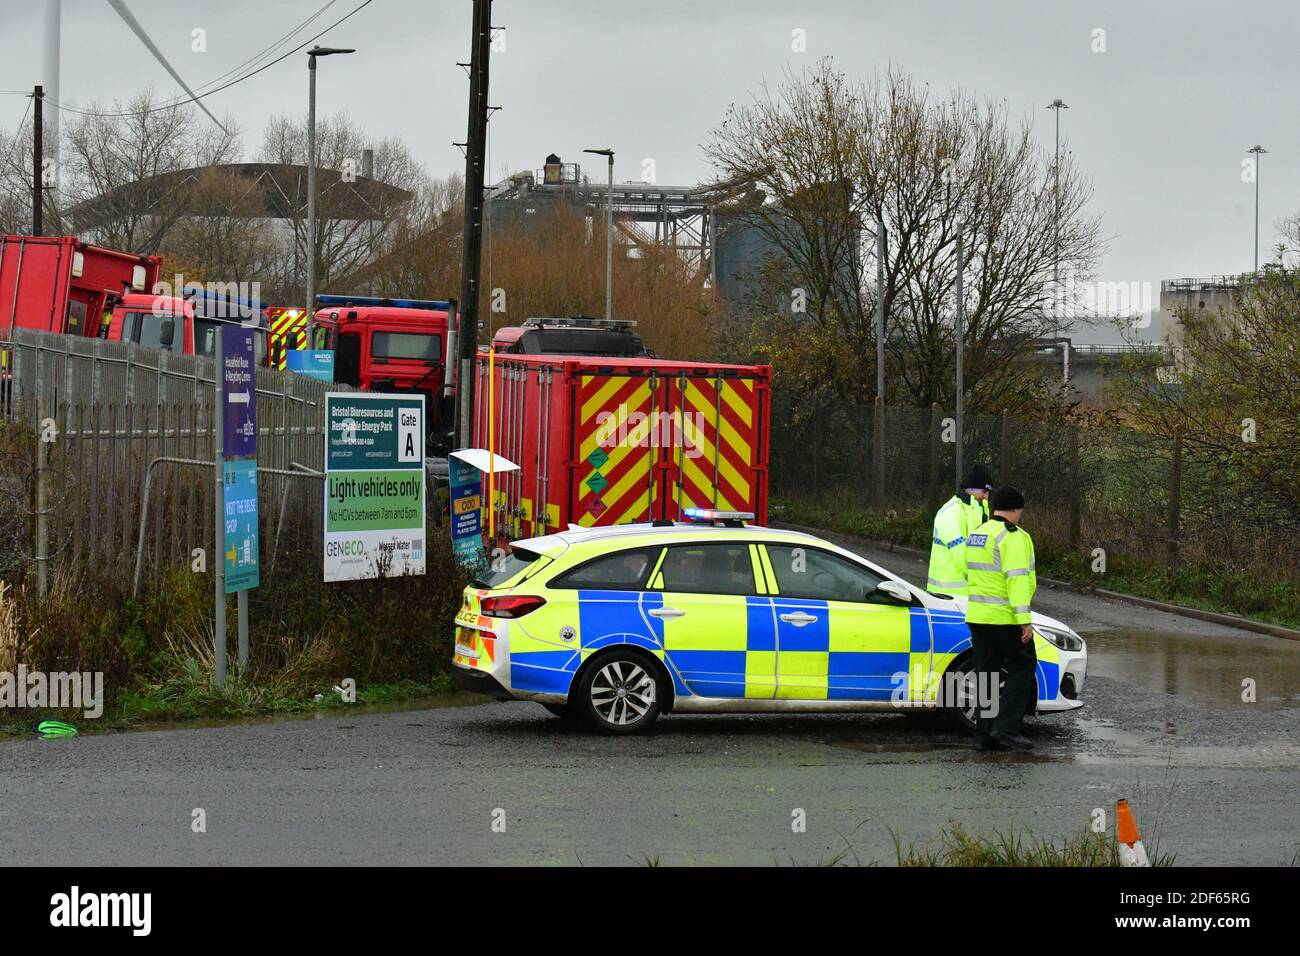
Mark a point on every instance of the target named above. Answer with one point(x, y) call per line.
point(1213, 779)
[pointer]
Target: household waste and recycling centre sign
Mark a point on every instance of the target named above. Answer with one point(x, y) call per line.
point(374, 485)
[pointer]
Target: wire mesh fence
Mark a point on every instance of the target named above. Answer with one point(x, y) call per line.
point(1150, 498)
point(112, 445)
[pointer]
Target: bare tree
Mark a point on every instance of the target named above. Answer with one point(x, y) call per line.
point(16, 179)
point(226, 233)
point(357, 217)
point(127, 171)
point(832, 157)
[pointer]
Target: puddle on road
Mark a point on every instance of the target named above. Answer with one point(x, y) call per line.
point(1204, 670)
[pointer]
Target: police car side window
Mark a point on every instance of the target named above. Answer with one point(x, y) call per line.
point(621, 571)
point(709, 569)
point(822, 576)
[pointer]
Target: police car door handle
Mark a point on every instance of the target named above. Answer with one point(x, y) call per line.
point(662, 612)
point(798, 618)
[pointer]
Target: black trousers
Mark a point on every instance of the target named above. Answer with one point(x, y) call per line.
point(997, 647)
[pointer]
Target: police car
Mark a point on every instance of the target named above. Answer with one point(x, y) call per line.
point(617, 625)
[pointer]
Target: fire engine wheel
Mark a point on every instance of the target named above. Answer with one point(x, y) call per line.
point(619, 693)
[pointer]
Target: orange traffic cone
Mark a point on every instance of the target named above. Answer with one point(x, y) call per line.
point(1131, 850)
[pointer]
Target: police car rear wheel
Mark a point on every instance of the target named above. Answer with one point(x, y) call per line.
point(620, 693)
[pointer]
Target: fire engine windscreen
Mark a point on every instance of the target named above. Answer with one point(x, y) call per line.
point(145, 328)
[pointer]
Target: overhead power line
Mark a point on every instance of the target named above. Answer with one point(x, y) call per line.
point(224, 86)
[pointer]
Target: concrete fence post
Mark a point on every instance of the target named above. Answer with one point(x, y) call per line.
point(42, 500)
point(878, 449)
point(936, 446)
point(1175, 495)
point(1076, 490)
point(1004, 461)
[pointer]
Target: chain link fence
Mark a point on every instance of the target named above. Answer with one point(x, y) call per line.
point(108, 455)
point(1149, 498)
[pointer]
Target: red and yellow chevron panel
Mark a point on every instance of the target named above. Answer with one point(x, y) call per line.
point(284, 321)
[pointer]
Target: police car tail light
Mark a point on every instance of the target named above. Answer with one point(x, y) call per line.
point(511, 605)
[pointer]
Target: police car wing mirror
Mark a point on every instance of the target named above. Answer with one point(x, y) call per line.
point(895, 591)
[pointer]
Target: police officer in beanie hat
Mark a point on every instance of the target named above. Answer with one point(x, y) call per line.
point(1002, 581)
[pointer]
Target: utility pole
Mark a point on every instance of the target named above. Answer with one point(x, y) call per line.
point(609, 233)
point(310, 244)
point(879, 438)
point(1056, 106)
point(312, 54)
point(472, 245)
point(219, 509)
point(961, 343)
point(38, 158)
point(1259, 151)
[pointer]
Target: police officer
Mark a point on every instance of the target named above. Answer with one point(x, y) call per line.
point(1000, 573)
point(961, 514)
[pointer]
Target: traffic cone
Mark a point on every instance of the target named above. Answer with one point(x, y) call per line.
point(1131, 850)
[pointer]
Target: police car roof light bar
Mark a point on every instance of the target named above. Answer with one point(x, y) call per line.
point(715, 516)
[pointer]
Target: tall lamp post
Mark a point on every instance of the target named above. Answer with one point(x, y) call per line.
point(609, 232)
point(1056, 106)
point(1258, 151)
point(311, 178)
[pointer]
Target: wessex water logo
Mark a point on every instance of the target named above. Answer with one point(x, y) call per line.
point(73, 909)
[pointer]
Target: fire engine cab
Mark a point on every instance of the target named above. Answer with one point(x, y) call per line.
point(390, 345)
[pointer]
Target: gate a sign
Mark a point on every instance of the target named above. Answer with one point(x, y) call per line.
point(374, 485)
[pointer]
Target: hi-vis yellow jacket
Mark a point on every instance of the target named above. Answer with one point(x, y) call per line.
point(960, 515)
point(1000, 573)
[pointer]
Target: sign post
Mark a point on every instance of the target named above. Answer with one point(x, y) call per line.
point(374, 485)
point(237, 564)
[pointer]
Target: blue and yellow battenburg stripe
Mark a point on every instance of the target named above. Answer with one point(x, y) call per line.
point(738, 647)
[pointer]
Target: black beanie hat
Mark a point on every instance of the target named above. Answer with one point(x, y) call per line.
point(979, 477)
point(1006, 498)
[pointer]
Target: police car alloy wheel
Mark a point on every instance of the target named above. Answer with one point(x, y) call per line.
point(963, 707)
point(619, 693)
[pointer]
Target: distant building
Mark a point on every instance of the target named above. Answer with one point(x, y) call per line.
point(682, 218)
point(1211, 295)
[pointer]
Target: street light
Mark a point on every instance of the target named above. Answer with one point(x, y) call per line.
point(609, 233)
point(1056, 106)
point(311, 179)
point(1258, 151)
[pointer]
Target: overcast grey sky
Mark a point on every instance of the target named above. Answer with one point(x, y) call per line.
point(1162, 119)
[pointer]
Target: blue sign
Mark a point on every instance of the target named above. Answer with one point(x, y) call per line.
point(314, 363)
point(238, 392)
point(466, 511)
point(239, 507)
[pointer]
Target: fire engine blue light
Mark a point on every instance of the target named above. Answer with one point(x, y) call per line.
point(438, 305)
